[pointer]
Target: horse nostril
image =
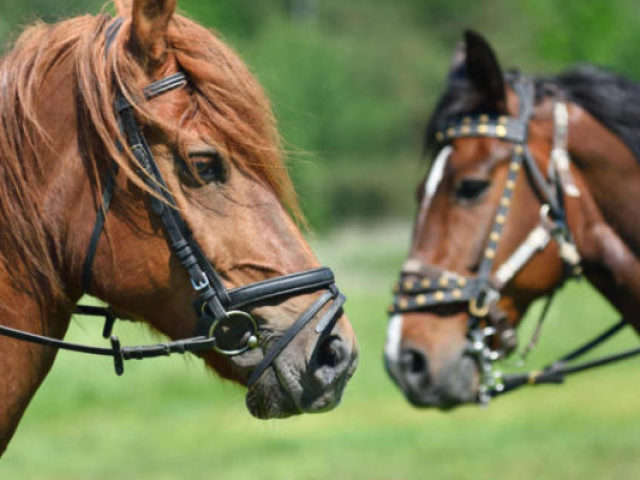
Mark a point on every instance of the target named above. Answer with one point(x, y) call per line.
point(331, 352)
point(415, 367)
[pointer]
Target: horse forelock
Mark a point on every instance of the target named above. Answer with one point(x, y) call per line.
point(224, 96)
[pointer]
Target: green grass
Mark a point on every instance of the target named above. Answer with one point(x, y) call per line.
point(169, 418)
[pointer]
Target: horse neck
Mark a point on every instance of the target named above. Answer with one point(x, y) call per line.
point(62, 193)
point(611, 172)
point(25, 365)
point(603, 219)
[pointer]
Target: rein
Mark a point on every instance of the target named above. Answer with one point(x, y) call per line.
point(423, 286)
point(220, 311)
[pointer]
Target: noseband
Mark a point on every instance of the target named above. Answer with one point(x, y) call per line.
point(221, 312)
point(424, 286)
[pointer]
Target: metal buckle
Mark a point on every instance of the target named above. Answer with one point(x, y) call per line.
point(476, 311)
point(251, 335)
point(199, 286)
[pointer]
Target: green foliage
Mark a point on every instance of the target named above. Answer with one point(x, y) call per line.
point(354, 82)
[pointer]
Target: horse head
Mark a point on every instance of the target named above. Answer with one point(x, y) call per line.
point(215, 149)
point(504, 218)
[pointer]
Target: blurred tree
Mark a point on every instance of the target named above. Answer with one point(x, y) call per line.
point(303, 9)
point(353, 88)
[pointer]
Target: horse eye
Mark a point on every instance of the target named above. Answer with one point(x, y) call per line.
point(471, 188)
point(210, 166)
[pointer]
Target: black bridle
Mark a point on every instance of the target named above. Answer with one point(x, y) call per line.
point(221, 312)
point(423, 286)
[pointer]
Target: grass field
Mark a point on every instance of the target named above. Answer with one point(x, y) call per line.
point(169, 418)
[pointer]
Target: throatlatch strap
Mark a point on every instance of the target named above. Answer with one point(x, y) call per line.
point(87, 266)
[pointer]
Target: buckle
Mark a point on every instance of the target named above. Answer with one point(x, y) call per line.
point(476, 311)
point(198, 286)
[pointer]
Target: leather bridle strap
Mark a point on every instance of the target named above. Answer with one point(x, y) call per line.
point(289, 335)
point(208, 285)
point(294, 284)
point(87, 266)
point(557, 372)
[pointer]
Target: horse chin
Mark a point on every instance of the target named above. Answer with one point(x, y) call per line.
point(284, 391)
point(268, 398)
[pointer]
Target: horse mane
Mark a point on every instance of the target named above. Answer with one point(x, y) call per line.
point(610, 98)
point(224, 96)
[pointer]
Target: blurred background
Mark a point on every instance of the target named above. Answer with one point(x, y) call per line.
point(352, 83)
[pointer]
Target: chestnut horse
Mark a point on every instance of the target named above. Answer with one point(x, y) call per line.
point(532, 185)
point(213, 142)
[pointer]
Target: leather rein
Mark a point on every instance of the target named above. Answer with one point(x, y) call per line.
point(221, 312)
point(423, 286)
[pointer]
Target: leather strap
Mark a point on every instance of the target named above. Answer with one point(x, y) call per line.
point(172, 82)
point(289, 335)
point(87, 266)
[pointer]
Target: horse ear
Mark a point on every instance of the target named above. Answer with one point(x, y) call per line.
point(483, 70)
point(123, 7)
point(458, 68)
point(149, 23)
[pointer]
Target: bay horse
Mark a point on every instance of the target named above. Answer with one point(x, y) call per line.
point(137, 153)
point(532, 184)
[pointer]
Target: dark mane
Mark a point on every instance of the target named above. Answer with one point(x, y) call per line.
point(611, 98)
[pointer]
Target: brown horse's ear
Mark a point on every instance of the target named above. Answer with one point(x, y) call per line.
point(483, 70)
point(123, 7)
point(149, 23)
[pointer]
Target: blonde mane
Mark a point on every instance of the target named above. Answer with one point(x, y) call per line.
point(225, 97)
